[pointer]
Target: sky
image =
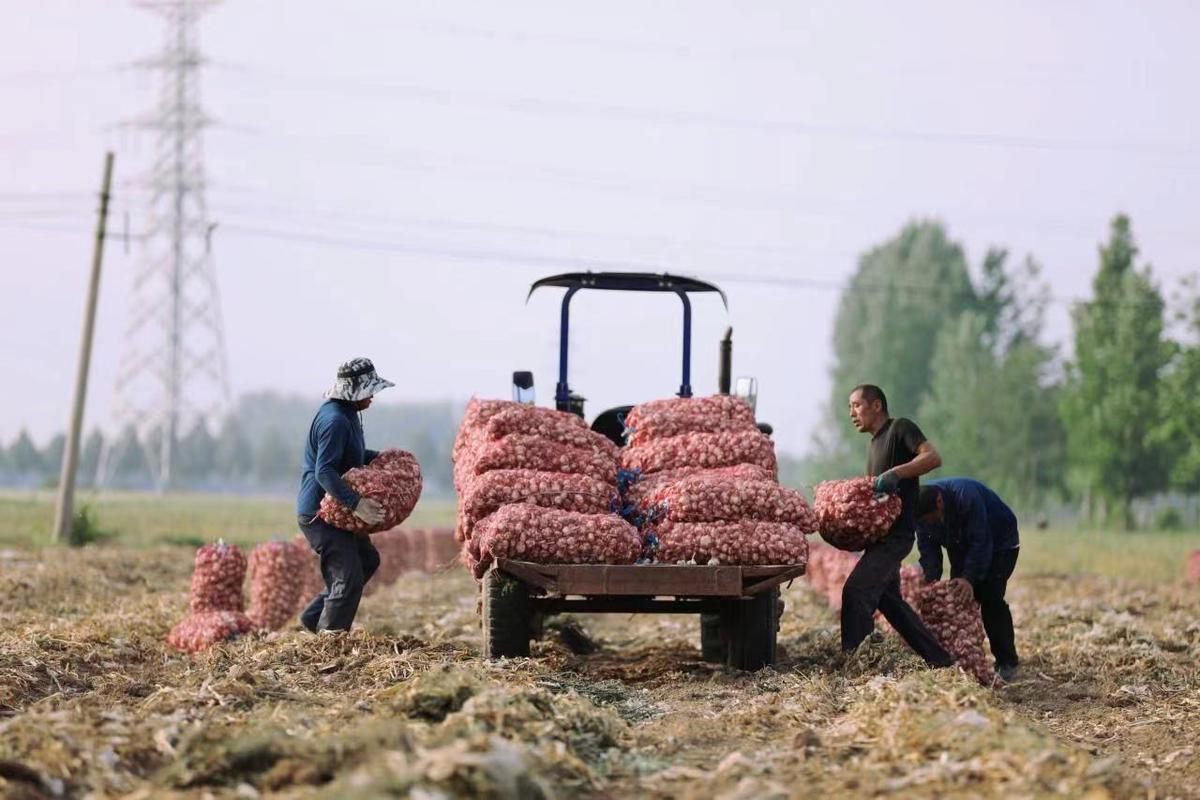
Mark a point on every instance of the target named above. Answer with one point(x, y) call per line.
point(388, 178)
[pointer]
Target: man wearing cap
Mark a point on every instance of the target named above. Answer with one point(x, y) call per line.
point(979, 532)
point(336, 444)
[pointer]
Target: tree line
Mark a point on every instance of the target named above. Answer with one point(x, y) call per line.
point(962, 351)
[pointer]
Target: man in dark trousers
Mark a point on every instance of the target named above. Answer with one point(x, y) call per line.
point(897, 455)
point(980, 534)
point(336, 444)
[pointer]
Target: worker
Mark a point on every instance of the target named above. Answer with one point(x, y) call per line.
point(336, 444)
point(980, 535)
point(898, 454)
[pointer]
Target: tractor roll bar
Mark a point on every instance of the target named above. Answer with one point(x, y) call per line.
point(624, 282)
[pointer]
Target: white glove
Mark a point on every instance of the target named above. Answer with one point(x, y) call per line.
point(369, 511)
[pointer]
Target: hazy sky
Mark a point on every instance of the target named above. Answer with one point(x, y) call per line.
point(391, 177)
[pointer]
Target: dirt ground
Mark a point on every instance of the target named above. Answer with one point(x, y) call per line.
point(92, 703)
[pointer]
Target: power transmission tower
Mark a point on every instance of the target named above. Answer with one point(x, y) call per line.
point(173, 372)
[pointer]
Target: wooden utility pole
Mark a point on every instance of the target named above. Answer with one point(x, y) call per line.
point(64, 511)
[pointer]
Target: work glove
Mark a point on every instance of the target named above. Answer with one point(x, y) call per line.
point(962, 589)
point(369, 511)
point(887, 483)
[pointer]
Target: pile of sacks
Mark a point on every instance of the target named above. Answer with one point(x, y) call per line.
point(216, 602)
point(1193, 567)
point(393, 479)
point(536, 484)
point(956, 625)
point(275, 585)
point(700, 480)
point(850, 516)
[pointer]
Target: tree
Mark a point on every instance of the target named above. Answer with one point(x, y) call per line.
point(89, 458)
point(274, 459)
point(903, 294)
point(992, 408)
point(197, 453)
point(24, 455)
point(1111, 400)
point(1179, 399)
point(52, 457)
point(128, 457)
point(234, 456)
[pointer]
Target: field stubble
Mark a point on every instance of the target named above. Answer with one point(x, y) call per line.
point(92, 702)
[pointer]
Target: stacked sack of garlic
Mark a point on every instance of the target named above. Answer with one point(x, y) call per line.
point(521, 473)
point(701, 481)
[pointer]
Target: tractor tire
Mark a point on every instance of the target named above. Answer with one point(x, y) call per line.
point(753, 626)
point(713, 647)
point(507, 626)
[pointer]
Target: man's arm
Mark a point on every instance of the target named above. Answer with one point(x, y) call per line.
point(331, 442)
point(369, 455)
point(928, 459)
point(931, 555)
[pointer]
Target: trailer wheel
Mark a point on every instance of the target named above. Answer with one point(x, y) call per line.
point(713, 647)
point(507, 625)
point(753, 625)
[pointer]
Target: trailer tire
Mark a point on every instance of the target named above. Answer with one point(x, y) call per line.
point(507, 626)
point(713, 647)
point(754, 625)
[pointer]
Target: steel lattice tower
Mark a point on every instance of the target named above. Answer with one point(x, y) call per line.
point(173, 372)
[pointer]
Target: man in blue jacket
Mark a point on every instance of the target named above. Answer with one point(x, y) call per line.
point(336, 444)
point(980, 535)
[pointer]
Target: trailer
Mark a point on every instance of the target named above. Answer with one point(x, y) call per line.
point(742, 603)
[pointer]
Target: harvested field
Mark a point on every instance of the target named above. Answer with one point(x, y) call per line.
point(91, 700)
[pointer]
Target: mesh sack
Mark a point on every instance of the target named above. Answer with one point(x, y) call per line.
point(275, 569)
point(220, 570)
point(550, 536)
point(747, 542)
point(715, 407)
point(204, 629)
point(958, 628)
point(393, 479)
point(702, 450)
point(849, 516)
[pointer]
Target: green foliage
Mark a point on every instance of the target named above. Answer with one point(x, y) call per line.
point(1111, 400)
point(991, 409)
point(904, 293)
point(1168, 519)
point(1179, 399)
point(23, 455)
point(86, 530)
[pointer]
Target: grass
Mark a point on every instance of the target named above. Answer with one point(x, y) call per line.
point(144, 520)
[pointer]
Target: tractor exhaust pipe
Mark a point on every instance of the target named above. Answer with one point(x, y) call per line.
point(725, 364)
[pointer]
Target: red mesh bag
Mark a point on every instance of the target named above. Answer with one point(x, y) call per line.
point(550, 536)
point(848, 514)
point(275, 569)
point(393, 479)
point(702, 450)
point(664, 425)
point(520, 451)
point(641, 491)
point(708, 498)
point(554, 426)
point(827, 570)
point(1193, 567)
point(491, 490)
point(715, 408)
point(743, 542)
point(958, 627)
point(220, 570)
point(204, 629)
point(395, 557)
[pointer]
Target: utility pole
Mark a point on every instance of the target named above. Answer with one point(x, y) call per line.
point(64, 511)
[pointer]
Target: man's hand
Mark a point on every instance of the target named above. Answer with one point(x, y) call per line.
point(962, 590)
point(887, 483)
point(369, 511)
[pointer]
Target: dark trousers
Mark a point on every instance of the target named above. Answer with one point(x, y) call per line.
point(874, 584)
point(997, 618)
point(347, 562)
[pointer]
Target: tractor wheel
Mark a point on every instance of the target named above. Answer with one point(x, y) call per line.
point(507, 625)
point(712, 644)
point(753, 625)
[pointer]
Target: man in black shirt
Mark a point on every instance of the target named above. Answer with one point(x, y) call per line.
point(897, 456)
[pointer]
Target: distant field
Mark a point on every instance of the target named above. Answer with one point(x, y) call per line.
point(140, 520)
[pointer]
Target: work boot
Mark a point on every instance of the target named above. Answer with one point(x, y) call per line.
point(1009, 673)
